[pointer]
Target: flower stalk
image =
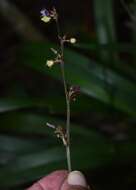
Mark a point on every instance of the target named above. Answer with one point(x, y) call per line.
point(68, 118)
point(68, 155)
point(70, 94)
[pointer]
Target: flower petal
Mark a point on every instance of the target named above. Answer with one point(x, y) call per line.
point(46, 19)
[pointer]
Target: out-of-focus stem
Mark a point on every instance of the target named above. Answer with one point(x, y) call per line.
point(19, 21)
point(127, 9)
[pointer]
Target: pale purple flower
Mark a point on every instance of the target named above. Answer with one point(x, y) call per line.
point(45, 12)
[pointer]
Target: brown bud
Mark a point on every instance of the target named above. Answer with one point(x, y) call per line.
point(74, 92)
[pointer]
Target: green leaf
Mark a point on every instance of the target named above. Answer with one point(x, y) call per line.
point(50, 103)
point(31, 151)
point(112, 89)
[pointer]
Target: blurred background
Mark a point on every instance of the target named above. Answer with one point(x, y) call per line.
point(102, 63)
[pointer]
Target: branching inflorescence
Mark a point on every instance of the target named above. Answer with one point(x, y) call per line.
point(70, 93)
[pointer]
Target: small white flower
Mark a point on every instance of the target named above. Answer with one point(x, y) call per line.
point(72, 40)
point(50, 63)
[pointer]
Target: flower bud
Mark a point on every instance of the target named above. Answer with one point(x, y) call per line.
point(72, 40)
point(50, 63)
point(46, 19)
point(74, 92)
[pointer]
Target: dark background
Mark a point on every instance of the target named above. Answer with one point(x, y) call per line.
point(102, 63)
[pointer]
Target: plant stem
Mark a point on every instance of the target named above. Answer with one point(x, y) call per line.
point(68, 155)
point(68, 118)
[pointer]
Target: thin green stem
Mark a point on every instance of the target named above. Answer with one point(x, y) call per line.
point(68, 118)
point(68, 155)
